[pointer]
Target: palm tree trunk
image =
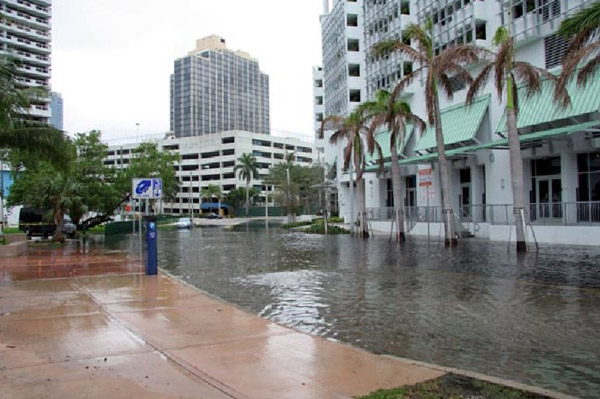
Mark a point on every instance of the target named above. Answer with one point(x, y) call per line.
point(362, 220)
point(247, 196)
point(59, 217)
point(397, 195)
point(516, 175)
point(447, 211)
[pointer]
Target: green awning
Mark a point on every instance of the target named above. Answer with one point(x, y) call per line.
point(546, 134)
point(459, 123)
point(543, 135)
point(383, 139)
point(541, 107)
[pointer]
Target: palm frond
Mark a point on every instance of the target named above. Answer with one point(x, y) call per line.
point(480, 81)
point(501, 36)
point(526, 74)
point(445, 85)
point(584, 20)
point(422, 37)
point(386, 47)
point(588, 71)
point(330, 123)
point(404, 83)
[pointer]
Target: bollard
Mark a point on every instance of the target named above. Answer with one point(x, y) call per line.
point(151, 247)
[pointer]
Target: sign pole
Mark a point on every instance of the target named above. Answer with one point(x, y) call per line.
point(144, 188)
point(140, 231)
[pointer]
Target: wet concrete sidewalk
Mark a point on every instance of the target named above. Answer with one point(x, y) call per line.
point(75, 326)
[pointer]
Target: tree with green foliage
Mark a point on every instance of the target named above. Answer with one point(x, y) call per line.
point(101, 189)
point(236, 198)
point(507, 73)
point(210, 192)
point(295, 185)
point(437, 69)
point(99, 194)
point(582, 57)
point(148, 161)
point(394, 115)
point(247, 169)
point(48, 188)
point(31, 140)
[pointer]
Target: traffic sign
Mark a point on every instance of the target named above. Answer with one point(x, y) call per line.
point(146, 188)
point(425, 177)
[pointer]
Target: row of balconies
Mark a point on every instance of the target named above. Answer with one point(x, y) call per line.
point(24, 30)
point(25, 81)
point(26, 18)
point(33, 58)
point(26, 43)
point(34, 71)
point(36, 9)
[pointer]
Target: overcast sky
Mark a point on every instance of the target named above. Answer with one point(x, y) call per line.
point(111, 59)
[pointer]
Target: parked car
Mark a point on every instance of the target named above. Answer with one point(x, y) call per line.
point(184, 223)
point(33, 223)
point(213, 215)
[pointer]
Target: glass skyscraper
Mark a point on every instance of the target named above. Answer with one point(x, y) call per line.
point(214, 89)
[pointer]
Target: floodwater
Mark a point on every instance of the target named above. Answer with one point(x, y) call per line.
point(533, 318)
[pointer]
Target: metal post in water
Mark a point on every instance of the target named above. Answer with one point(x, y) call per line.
point(351, 185)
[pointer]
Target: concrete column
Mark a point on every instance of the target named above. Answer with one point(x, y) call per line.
point(325, 7)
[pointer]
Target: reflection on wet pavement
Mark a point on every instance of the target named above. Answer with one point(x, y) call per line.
point(107, 331)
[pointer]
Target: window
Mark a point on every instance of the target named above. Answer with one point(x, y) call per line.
point(352, 20)
point(353, 45)
point(354, 70)
point(228, 140)
point(588, 170)
point(354, 96)
point(555, 48)
point(457, 83)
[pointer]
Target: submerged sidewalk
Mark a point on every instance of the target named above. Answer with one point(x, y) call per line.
point(75, 326)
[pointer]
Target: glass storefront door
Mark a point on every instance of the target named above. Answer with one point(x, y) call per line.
point(549, 197)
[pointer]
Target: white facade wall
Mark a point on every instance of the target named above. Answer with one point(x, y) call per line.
point(211, 159)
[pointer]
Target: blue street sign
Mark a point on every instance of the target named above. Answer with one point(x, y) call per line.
point(156, 188)
point(146, 188)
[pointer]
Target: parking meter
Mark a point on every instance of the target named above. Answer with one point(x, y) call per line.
point(151, 247)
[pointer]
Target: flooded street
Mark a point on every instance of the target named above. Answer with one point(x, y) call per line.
point(533, 319)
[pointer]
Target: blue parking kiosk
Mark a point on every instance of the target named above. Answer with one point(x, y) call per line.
point(151, 247)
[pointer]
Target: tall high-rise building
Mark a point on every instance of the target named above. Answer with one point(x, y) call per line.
point(25, 34)
point(557, 145)
point(214, 89)
point(343, 56)
point(56, 106)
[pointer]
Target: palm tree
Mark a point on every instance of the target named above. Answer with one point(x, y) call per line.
point(438, 68)
point(394, 115)
point(352, 128)
point(582, 29)
point(211, 191)
point(506, 73)
point(247, 169)
point(59, 192)
point(31, 139)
